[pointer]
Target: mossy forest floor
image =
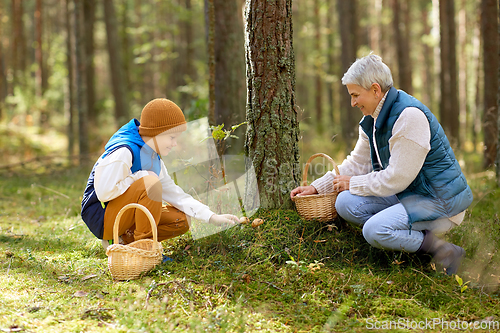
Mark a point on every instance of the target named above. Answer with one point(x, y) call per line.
point(287, 275)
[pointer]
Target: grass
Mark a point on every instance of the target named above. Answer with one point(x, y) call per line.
point(287, 275)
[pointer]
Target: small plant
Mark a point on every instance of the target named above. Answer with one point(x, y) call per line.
point(461, 284)
point(304, 267)
point(219, 133)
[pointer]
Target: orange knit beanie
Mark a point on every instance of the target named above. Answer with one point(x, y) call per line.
point(159, 116)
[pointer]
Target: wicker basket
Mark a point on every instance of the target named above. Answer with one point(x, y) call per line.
point(319, 207)
point(127, 262)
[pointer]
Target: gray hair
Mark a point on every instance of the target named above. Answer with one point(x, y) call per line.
point(368, 70)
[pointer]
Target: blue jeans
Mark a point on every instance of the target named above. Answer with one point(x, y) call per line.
point(385, 221)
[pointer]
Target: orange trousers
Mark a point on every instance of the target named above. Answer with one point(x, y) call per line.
point(134, 224)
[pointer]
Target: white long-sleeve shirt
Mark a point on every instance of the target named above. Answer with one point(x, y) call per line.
point(113, 177)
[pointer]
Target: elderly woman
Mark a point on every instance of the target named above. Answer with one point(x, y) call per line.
point(402, 183)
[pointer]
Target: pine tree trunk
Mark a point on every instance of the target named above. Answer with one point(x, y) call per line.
point(88, 23)
point(318, 96)
point(331, 60)
point(18, 49)
point(449, 83)
point(71, 85)
point(498, 107)
point(348, 23)
point(401, 31)
point(3, 76)
point(210, 9)
point(81, 86)
point(489, 26)
point(116, 65)
point(273, 129)
point(230, 71)
point(428, 60)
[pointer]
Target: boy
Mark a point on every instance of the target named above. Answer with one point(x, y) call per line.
point(131, 171)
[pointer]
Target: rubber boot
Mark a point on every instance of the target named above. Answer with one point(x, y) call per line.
point(447, 256)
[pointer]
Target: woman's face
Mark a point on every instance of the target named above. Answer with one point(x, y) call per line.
point(365, 100)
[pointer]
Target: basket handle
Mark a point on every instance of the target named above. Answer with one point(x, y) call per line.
point(304, 174)
point(148, 214)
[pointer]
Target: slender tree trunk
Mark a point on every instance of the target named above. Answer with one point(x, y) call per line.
point(38, 48)
point(125, 43)
point(348, 22)
point(40, 86)
point(449, 86)
point(489, 26)
point(71, 85)
point(462, 69)
point(83, 135)
point(498, 106)
point(211, 60)
point(318, 96)
point(479, 81)
point(3, 76)
point(89, 19)
point(331, 60)
point(428, 60)
point(18, 49)
point(401, 31)
point(273, 129)
point(230, 71)
point(116, 65)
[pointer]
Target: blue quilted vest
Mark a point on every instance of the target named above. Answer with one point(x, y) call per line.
point(143, 158)
point(440, 188)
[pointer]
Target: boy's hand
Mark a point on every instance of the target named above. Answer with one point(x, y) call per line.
point(224, 219)
point(303, 190)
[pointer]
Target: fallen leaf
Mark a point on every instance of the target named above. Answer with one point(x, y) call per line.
point(90, 276)
point(389, 282)
point(63, 278)
point(246, 278)
point(319, 240)
point(80, 294)
point(187, 247)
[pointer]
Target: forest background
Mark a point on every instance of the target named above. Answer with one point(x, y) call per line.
point(73, 71)
point(78, 70)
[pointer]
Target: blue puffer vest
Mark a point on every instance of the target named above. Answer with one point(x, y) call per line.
point(143, 158)
point(440, 188)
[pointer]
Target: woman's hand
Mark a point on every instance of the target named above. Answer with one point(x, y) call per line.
point(341, 183)
point(303, 190)
point(224, 219)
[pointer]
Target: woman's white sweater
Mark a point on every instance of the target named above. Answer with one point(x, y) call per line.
point(408, 146)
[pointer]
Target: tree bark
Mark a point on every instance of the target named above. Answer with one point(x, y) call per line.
point(273, 129)
point(331, 60)
point(71, 85)
point(348, 23)
point(498, 106)
point(401, 31)
point(448, 76)
point(318, 96)
point(88, 23)
point(81, 85)
point(211, 60)
point(229, 71)
point(116, 65)
point(489, 26)
point(3, 76)
point(18, 49)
